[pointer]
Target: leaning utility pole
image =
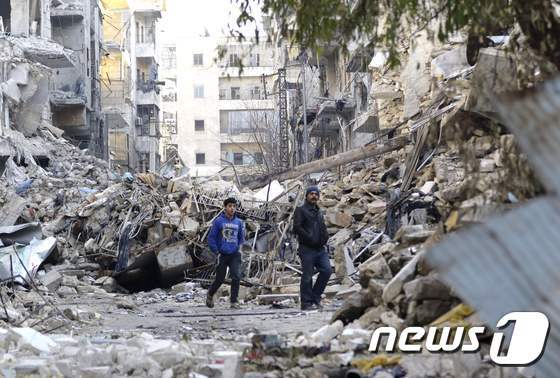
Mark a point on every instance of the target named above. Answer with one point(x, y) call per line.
point(303, 58)
point(347, 157)
point(284, 147)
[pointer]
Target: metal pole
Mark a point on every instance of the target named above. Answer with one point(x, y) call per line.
point(305, 134)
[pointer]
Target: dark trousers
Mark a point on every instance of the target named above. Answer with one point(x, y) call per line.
point(311, 259)
point(232, 261)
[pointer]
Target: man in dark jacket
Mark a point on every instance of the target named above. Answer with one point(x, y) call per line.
point(312, 234)
point(225, 237)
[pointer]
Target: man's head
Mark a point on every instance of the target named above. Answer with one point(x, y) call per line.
point(230, 204)
point(312, 194)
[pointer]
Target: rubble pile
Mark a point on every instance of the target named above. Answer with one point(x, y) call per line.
point(383, 217)
point(30, 353)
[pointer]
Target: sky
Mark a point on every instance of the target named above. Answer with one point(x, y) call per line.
point(190, 18)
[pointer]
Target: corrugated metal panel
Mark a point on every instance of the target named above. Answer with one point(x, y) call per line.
point(533, 116)
point(510, 264)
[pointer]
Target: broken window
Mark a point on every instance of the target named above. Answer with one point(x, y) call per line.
point(238, 158)
point(200, 158)
point(256, 93)
point(199, 91)
point(5, 11)
point(169, 58)
point(198, 60)
point(234, 60)
point(198, 125)
point(235, 93)
point(259, 158)
point(254, 60)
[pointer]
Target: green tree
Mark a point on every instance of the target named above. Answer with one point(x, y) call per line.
point(311, 23)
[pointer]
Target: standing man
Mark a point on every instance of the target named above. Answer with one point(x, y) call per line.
point(224, 239)
point(312, 236)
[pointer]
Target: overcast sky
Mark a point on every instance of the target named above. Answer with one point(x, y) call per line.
point(192, 18)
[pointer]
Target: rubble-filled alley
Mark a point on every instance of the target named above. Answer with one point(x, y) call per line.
point(104, 271)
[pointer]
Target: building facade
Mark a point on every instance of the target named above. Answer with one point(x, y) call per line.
point(65, 37)
point(223, 116)
point(131, 86)
point(75, 91)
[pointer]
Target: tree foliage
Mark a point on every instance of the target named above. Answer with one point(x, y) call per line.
point(384, 23)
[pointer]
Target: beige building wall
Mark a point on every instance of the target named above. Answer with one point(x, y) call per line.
point(202, 106)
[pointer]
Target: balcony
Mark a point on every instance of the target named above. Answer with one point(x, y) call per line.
point(149, 6)
point(72, 10)
point(244, 104)
point(148, 94)
point(146, 144)
point(146, 50)
point(63, 99)
point(248, 71)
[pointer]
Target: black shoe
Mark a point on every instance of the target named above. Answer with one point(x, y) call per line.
point(235, 306)
point(209, 300)
point(308, 307)
point(318, 305)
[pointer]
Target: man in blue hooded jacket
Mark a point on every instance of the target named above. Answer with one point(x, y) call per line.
point(225, 237)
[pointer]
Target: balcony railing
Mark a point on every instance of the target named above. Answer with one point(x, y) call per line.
point(150, 129)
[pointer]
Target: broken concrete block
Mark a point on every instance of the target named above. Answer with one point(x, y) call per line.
point(52, 280)
point(20, 74)
point(173, 260)
point(29, 339)
point(392, 320)
point(347, 292)
point(375, 267)
point(428, 187)
point(426, 288)
point(450, 63)
point(413, 234)
point(228, 362)
point(11, 211)
point(340, 237)
point(109, 284)
point(376, 207)
point(487, 165)
point(354, 307)
point(64, 291)
point(328, 332)
point(11, 90)
point(90, 245)
point(338, 217)
point(371, 316)
point(71, 281)
point(394, 287)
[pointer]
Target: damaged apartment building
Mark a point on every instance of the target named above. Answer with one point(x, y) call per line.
point(130, 87)
point(328, 108)
point(49, 73)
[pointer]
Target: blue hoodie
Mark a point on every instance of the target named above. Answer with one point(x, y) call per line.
point(226, 236)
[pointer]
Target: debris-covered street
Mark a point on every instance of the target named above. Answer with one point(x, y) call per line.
point(420, 194)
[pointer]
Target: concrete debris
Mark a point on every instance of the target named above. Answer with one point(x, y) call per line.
point(87, 250)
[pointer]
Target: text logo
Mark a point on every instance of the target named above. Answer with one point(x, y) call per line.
point(526, 344)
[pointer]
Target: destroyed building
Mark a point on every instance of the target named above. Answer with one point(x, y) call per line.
point(75, 91)
point(131, 96)
point(65, 37)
